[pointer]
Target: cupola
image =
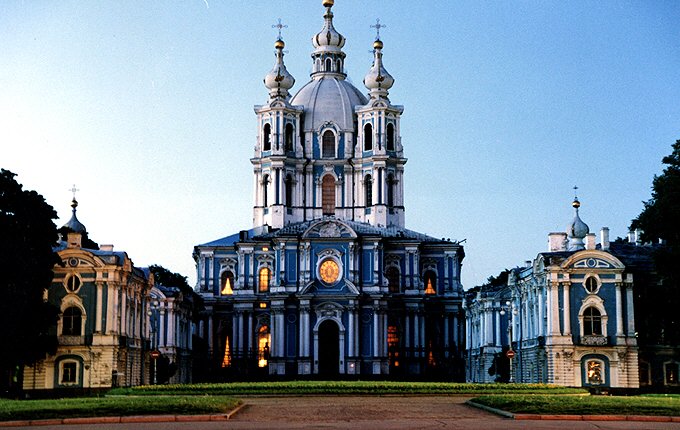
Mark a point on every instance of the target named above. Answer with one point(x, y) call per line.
point(73, 224)
point(278, 81)
point(378, 80)
point(577, 230)
point(328, 56)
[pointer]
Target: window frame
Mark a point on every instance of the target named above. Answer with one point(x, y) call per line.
point(328, 138)
point(74, 279)
point(264, 284)
point(390, 137)
point(368, 137)
point(72, 320)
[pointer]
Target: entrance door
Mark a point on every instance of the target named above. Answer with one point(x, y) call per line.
point(329, 350)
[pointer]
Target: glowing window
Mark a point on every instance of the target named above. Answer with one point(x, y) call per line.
point(393, 345)
point(227, 283)
point(368, 137)
point(328, 195)
point(263, 340)
point(328, 144)
point(72, 321)
point(226, 360)
point(266, 136)
point(592, 322)
point(595, 372)
point(430, 282)
point(671, 372)
point(264, 279)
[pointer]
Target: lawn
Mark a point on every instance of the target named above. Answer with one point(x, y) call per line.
point(114, 406)
point(583, 405)
point(342, 388)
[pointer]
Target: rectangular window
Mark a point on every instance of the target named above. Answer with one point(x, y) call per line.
point(68, 372)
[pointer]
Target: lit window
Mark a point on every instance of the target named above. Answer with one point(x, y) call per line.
point(265, 277)
point(72, 320)
point(392, 274)
point(263, 340)
point(226, 360)
point(368, 137)
point(393, 345)
point(69, 373)
point(73, 283)
point(595, 372)
point(227, 283)
point(390, 137)
point(592, 322)
point(328, 195)
point(328, 144)
point(289, 137)
point(368, 187)
point(430, 283)
point(591, 284)
point(671, 372)
point(266, 136)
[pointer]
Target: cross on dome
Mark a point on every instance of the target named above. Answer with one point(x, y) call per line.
point(74, 190)
point(280, 26)
point(377, 27)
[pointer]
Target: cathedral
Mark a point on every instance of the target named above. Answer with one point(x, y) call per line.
point(328, 281)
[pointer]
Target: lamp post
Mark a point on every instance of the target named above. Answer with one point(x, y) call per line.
point(153, 329)
point(509, 306)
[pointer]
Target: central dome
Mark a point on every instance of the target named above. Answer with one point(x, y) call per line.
point(328, 99)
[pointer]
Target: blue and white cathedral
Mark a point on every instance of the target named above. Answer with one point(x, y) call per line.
point(329, 281)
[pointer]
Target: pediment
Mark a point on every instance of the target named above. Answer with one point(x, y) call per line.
point(330, 229)
point(592, 259)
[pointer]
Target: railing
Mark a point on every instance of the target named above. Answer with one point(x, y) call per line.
point(594, 340)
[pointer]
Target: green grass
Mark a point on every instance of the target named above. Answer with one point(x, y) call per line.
point(341, 388)
point(114, 406)
point(583, 405)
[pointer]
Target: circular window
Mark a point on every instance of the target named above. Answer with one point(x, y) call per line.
point(73, 262)
point(329, 271)
point(73, 283)
point(591, 285)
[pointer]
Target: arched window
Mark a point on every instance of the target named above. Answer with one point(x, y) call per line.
point(264, 279)
point(430, 282)
point(368, 137)
point(265, 189)
point(392, 275)
point(328, 64)
point(328, 195)
point(328, 144)
point(289, 137)
point(368, 190)
point(263, 340)
point(289, 191)
point(267, 138)
point(390, 137)
point(338, 65)
point(227, 283)
point(592, 322)
point(390, 190)
point(73, 283)
point(72, 321)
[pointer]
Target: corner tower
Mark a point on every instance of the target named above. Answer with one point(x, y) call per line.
point(329, 151)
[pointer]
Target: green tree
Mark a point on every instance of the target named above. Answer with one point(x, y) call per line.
point(166, 278)
point(27, 258)
point(659, 220)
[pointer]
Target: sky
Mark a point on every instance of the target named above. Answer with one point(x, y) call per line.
point(147, 107)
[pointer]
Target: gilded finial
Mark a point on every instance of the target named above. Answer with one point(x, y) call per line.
point(576, 204)
point(328, 3)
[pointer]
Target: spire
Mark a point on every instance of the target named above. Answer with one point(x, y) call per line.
point(378, 80)
point(278, 81)
point(577, 230)
point(328, 56)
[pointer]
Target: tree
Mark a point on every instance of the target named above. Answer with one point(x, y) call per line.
point(659, 220)
point(166, 278)
point(27, 258)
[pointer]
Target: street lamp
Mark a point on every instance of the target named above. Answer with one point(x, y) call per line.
point(154, 330)
point(513, 312)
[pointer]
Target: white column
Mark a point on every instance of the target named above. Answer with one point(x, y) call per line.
point(162, 312)
point(210, 334)
point(240, 334)
point(421, 325)
point(100, 304)
point(447, 320)
point(498, 330)
point(376, 322)
point(629, 309)
point(567, 312)
point(250, 333)
point(554, 309)
point(619, 311)
point(280, 325)
point(407, 329)
point(540, 313)
point(489, 327)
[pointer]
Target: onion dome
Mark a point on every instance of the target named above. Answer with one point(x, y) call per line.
point(378, 80)
point(577, 229)
point(328, 39)
point(73, 224)
point(278, 81)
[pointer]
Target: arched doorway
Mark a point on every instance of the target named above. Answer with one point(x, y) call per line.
point(329, 350)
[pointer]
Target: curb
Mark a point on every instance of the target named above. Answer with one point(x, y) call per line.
point(125, 419)
point(547, 417)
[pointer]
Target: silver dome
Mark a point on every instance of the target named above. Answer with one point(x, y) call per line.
point(329, 99)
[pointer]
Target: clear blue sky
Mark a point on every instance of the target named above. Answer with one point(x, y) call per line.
point(148, 107)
